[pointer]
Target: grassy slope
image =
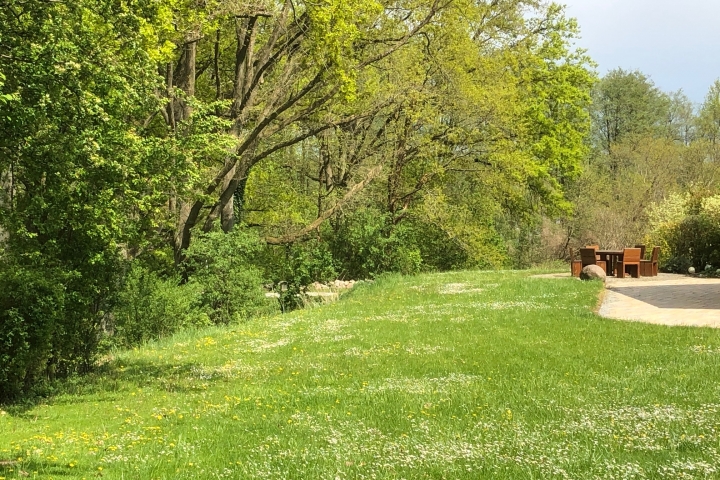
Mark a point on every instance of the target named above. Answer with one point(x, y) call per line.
point(463, 375)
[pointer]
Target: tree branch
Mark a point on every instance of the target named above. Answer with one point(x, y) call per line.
point(294, 237)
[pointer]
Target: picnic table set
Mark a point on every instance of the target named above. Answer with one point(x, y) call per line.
point(615, 262)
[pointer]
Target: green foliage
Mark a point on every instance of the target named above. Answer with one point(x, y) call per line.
point(439, 252)
point(526, 242)
point(31, 316)
point(127, 129)
point(471, 224)
point(709, 116)
point(72, 163)
point(149, 307)
point(681, 121)
point(556, 84)
point(626, 103)
point(224, 267)
point(4, 97)
point(291, 268)
point(688, 230)
point(696, 238)
point(366, 244)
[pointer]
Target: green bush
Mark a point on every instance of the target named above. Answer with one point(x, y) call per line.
point(676, 264)
point(688, 231)
point(438, 251)
point(223, 265)
point(150, 307)
point(366, 244)
point(297, 266)
point(51, 311)
point(697, 238)
point(31, 307)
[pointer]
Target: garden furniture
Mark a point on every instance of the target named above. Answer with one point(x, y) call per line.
point(595, 247)
point(575, 265)
point(589, 257)
point(630, 258)
point(611, 257)
point(649, 268)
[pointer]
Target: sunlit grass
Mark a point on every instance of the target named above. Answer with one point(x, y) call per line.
point(463, 375)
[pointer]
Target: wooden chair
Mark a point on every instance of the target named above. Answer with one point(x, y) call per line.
point(575, 265)
point(649, 268)
point(642, 251)
point(594, 247)
point(631, 258)
point(588, 257)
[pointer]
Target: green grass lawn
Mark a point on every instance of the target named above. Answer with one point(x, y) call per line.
point(463, 375)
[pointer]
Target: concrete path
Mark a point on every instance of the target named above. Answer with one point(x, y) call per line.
point(665, 299)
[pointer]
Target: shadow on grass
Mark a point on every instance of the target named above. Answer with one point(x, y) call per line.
point(13, 469)
point(111, 379)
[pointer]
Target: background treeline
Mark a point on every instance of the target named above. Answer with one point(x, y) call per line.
point(161, 160)
point(651, 175)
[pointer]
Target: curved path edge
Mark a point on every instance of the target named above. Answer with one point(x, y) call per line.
point(673, 300)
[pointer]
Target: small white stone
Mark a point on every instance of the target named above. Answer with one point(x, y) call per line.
point(691, 270)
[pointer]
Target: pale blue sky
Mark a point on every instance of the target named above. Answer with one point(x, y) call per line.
point(676, 43)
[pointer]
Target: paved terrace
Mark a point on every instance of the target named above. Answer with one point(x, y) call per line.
point(666, 299)
point(676, 300)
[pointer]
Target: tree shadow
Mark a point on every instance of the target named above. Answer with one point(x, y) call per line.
point(112, 379)
point(12, 469)
point(701, 297)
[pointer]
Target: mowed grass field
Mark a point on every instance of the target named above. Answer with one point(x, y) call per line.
point(458, 376)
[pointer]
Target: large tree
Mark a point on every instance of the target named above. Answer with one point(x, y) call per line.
point(269, 71)
point(626, 103)
point(708, 121)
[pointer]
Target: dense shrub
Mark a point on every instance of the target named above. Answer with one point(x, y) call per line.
point(437, 250)
point(366, 244)
point(688, 230)
point(51, 309)
point(31, 307)
point(675, 264)
point(296, 266)
point(224, 266)
point(149, 307)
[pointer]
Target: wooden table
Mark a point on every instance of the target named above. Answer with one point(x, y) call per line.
point(611, 257)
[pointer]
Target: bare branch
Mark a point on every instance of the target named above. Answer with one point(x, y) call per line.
point(436, 7)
